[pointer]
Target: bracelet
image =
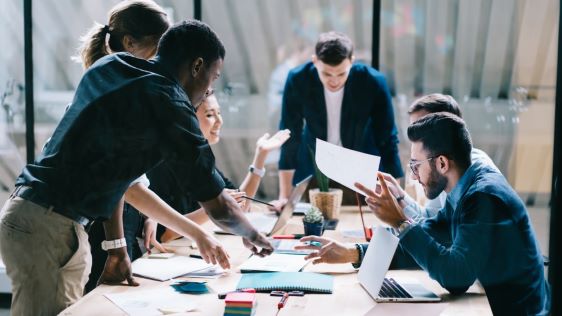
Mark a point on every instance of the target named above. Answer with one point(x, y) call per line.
point(361, 252)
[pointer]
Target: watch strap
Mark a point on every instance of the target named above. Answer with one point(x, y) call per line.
point(113, 244)
point(257, 171)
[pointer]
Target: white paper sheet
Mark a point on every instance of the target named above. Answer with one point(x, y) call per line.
point(276, 262)
point(347, 166)
point(165, 269)
point(159, 301)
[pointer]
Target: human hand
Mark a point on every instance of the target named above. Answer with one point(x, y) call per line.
point(393, 185)
point(259, 242)
point(117, 268)
point(237, 195)
point(329, 251)
point(383, 204)
point(278, 205)
point(149, 232)
point(211, 250)
point(267, 144)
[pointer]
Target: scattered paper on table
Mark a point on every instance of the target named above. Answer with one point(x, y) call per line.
point(276, 262)
point(162, 270)
point(156, 301)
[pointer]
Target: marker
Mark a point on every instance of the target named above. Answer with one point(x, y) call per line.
point(283, 301)
point(195, 256)
point(256, 200)
point(288, 236)
point(315, 243)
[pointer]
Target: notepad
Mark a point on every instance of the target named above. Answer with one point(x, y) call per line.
point(288, 281)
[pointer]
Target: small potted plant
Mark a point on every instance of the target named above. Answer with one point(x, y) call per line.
point(328, 200)
point(313, 222)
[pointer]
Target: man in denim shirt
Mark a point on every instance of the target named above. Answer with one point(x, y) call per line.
point(483, 233)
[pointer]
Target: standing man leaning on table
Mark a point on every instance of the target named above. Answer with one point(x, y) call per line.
point(483, 232)
point(128, 115)
point(344, 103)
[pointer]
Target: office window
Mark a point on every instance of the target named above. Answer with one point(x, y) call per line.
point(12, 95)
point(498, 59)
point(57, 27)
point(264, 40)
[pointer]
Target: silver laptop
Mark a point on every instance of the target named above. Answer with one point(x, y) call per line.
point(374, 267)
point(272, 223)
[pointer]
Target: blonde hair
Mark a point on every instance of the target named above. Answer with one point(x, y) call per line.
point(143, 20)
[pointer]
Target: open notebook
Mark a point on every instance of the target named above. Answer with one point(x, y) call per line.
point(288, 281)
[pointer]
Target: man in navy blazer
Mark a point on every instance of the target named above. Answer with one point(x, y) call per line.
point(335, 100)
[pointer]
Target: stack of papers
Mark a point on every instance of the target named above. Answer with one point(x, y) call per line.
point(166, 269)
point(276, 262)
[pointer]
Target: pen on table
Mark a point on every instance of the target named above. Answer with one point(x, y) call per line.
point(196, 256)
point(283, 301)
point(256, 200)
point(288, 236)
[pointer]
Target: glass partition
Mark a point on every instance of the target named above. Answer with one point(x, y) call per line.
point(498, 59)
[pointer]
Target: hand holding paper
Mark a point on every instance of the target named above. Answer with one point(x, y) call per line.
point(384, 205)
point(347, 166)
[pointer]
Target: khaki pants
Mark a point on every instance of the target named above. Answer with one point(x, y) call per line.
point(47, 258)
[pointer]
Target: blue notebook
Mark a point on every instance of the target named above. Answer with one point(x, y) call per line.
point(288, 281)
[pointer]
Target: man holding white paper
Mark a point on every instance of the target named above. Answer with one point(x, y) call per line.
point(483, 233)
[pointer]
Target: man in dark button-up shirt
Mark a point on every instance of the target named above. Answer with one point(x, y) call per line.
point(127, 116)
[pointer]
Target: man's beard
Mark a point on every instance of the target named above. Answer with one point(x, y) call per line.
point(435, 184)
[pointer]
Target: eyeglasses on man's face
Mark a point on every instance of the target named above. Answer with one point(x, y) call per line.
point(209, 92)
point(415, 164)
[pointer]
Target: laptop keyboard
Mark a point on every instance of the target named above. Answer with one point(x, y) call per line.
point(391, 289)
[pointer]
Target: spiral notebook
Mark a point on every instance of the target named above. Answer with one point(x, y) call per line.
point(288, 281)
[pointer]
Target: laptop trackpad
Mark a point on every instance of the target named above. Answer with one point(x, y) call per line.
point(417, 290)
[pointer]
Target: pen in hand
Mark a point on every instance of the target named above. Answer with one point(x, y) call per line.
point(256, 200)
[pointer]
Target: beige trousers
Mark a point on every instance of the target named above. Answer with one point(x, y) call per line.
point(47, 258)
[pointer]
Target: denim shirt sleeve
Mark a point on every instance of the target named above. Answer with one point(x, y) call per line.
point(455, 266)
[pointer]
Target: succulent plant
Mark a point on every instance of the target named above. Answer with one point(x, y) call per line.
point(313, 215)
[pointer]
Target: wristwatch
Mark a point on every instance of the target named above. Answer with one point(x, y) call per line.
point(113, 244)
point(258, 172)
point(403, 227)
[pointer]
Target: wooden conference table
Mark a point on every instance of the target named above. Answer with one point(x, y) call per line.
point(348, 297)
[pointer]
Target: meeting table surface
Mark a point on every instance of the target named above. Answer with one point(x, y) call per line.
point(348, 297)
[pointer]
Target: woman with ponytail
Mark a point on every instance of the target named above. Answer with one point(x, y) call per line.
point(134, 27)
